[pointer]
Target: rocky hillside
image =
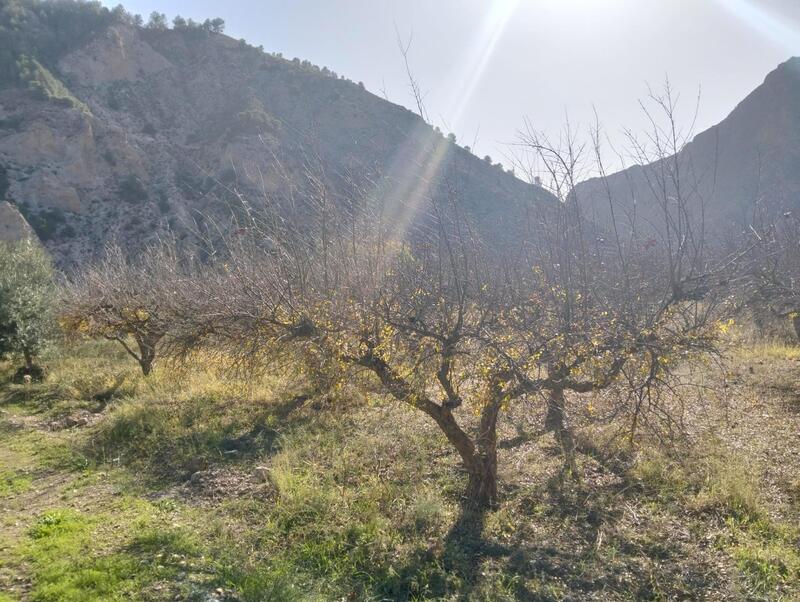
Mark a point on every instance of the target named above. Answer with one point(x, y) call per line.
point(119, 130)
point(13, 226)
point(750, 159)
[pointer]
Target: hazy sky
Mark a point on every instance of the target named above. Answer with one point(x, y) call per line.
point(486, 65)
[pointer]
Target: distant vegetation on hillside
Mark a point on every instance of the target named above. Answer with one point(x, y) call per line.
point(45, 31)
point(36, 30)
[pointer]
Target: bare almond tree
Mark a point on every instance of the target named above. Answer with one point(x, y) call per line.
point(125, 299)
point(631, 294)
point(772, 282)
point(455, 325)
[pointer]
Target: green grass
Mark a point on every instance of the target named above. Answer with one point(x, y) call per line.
point(12, 483)
point(68, 564)
point(712, 479)
point(660, 476)
point(721, 483)
point(729, 484)
point(768, 557)
point(767, 566)
point(328, 527)
point(41, 452)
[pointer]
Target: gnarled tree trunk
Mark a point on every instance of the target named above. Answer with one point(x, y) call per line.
point(482, 485)
point(557, 421)
point(479, 456)
point(147, 343)
point(147, 355)
point(481, 492)
point(28, 359)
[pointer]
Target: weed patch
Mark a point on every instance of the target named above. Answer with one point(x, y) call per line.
point(13, 483)
point(75, 556)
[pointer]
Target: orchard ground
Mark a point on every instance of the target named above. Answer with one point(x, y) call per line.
point(192, 485)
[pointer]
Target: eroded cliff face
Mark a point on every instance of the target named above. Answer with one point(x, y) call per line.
point(13, 226)
point(119, 54)
point(169, 126)
point(64, 165)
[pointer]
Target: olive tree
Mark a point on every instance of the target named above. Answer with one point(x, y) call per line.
point(27, 292)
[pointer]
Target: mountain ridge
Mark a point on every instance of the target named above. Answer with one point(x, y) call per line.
point(748, 162)
point(137, 130)
point(118, 132)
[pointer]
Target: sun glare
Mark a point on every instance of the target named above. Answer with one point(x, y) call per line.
point(777, 30)
point(409, 191)
point(481, 51)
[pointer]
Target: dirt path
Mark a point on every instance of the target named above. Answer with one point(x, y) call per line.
point(28, 489)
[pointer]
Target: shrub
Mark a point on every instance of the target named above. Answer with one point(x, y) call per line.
point(45, 85)
point(254, 119)
point(131, 190)
point(26, 300)
point(4, 183)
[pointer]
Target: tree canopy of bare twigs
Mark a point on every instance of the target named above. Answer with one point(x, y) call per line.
point(125, 299)
point(773, 276)
point(459, 327)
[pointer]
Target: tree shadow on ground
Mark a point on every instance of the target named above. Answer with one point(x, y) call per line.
point(37, 397)
point(465, 547)
point(8, 428)
point(261, 439)
point(452, 569)
point(165, 455)
point(580, 547)
point(593, 551)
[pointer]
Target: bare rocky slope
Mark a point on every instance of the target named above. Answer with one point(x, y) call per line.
point(136, 129)
point(13, 226)
point(750, 159)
